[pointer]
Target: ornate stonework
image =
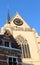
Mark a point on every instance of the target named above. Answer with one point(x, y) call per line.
point(24, 46)
point(21, 40)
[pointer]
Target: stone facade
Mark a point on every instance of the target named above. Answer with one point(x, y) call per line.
point(26, 37)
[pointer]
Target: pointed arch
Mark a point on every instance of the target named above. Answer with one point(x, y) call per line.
point(21, 40)
point(24, 46)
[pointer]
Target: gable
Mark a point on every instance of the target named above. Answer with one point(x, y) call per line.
point(18, 21)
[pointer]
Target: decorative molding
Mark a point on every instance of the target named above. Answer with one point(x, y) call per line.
point(20, 40)
point(21, 29)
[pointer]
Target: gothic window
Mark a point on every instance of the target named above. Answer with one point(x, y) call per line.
point(24, 46)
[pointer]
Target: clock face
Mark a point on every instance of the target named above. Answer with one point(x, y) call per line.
point(18, 21)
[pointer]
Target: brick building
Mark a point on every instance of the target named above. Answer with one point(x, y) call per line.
point(10, 51)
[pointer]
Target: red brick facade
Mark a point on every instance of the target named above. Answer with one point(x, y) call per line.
point(5, 54)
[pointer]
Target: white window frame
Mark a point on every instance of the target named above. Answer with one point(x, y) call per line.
point(12, 59)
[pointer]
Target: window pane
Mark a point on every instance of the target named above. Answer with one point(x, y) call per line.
point(14, 59)
point(10, 61)
point(12, 45)
point(7, 44)
point(28, 51)
point(23, 50)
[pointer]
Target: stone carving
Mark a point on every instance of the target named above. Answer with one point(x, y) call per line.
point(21, 40)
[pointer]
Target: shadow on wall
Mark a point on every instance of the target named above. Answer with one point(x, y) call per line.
point(26, 64)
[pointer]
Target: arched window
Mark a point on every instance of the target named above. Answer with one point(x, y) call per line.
point(24, 46)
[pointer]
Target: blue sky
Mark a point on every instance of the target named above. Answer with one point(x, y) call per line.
point(28, 9)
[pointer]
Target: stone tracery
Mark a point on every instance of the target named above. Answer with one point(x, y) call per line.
point(24, 46)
